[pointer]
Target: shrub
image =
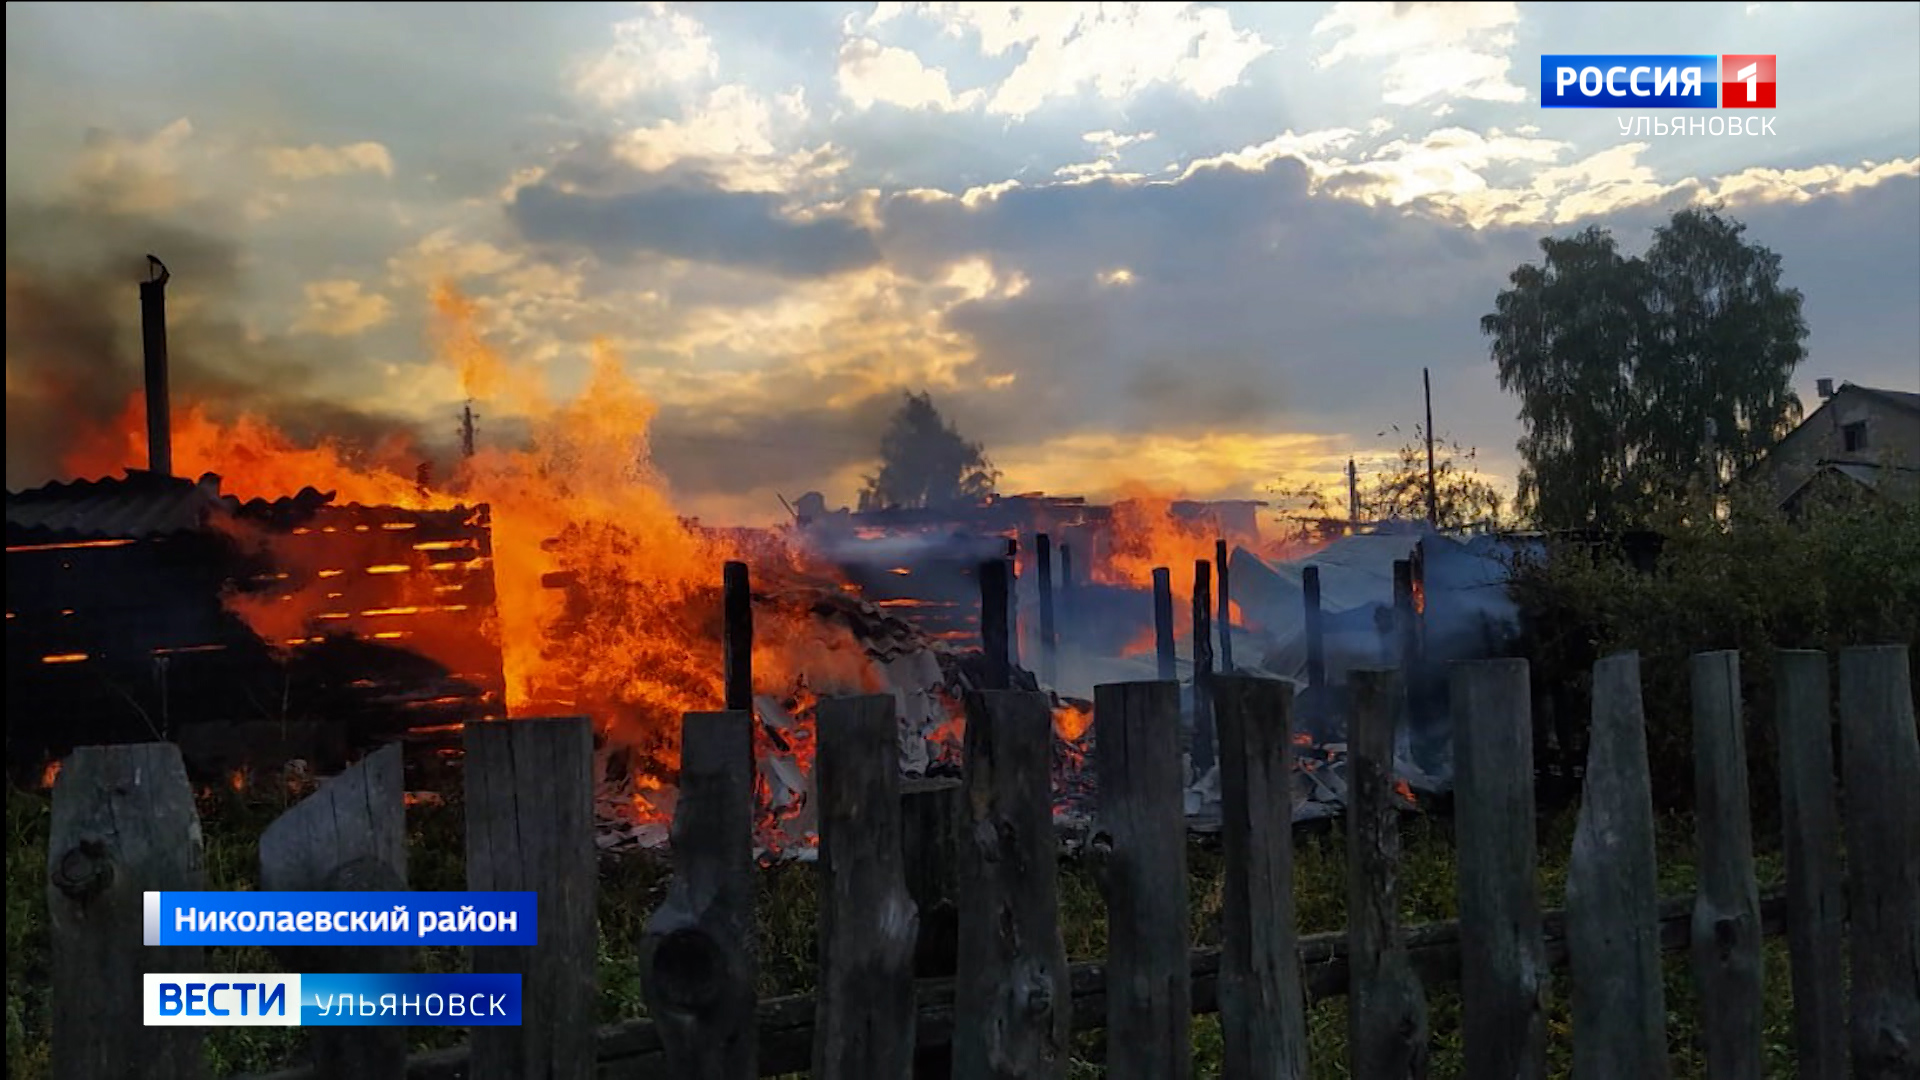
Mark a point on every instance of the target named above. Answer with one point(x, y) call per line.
point(1844, 570)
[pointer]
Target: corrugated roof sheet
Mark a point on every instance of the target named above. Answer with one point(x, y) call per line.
point(138, 506)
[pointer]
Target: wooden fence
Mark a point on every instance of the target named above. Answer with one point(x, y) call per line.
point(124, 822)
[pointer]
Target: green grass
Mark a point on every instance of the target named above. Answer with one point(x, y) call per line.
point(632, 887)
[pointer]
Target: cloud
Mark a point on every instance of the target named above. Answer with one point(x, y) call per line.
point(655, 49)
point(342, 308)
point(1433, 50)
point(684, 220)
point(1115, 50)
point(874, 74)
point(135, 175)
point(316, 161)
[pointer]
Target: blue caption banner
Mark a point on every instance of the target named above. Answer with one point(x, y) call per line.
point(341, 918)
point(1642, 81)
point(241, 1000)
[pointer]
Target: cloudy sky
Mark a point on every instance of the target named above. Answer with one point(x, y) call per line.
point(1194, 245)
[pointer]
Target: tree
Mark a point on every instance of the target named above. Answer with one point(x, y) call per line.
point(1399, 490)
point(925, 462)
point(1637, 375)
point(1463, 497)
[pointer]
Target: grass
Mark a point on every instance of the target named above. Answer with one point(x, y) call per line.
point(632, 887)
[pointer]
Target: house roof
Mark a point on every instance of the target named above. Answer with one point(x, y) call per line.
point(1901, 399)
point(138, 506)
point(1892, 480)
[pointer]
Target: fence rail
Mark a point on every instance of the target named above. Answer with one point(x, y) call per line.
point(123, 824)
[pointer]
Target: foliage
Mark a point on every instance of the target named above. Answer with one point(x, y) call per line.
point(1398, 491)
point(1744, 576)
point(1627, 369)
point(926, 462)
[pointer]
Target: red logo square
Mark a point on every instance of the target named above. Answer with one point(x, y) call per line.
point(1746, 81)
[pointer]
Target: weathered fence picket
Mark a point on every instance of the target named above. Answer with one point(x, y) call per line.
point(1263, 1009)
point(1386, 1006)
point(1141, 841)
point(1810, 834)
point(867, 921)
point(1502, 974)
point(1882, 762)
point(1726, 917)
point(529, 791)
point(1613, 892)
point(985, 848)
point(697, 961)
point(1012, 1000)
point(123, 823)
point(349, 835)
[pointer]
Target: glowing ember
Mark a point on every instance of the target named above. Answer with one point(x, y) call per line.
point(50, 774)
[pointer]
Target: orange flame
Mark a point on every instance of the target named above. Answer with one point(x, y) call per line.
point(633, 638)
point(1144, 535)
point(50, 774)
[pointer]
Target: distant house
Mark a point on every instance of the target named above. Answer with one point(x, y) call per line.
point(1859, 436)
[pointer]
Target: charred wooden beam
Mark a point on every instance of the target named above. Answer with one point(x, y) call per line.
point(994, 623)
point(1163, 621)
point(1043, 556)
point(737, 630)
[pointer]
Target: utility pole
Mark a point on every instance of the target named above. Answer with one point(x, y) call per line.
point(466, 429)
point(1433, 489)
point(1353, 497)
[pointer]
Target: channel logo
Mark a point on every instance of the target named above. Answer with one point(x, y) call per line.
point(1658, 81)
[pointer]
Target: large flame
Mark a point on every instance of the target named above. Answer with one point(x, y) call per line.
point(607, 598)
point(1147, 534)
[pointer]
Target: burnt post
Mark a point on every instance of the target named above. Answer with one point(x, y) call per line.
point(864, 1008)
point(1316, 630)
point(697, 963)
point(1013, 605)
point(994, 622)
point(1220, 555)
point(737, 631)
point(1013, 998)
point(530, 829)
point(1067, 598)
point(1163, 621)
point(1043, 556)
point(123, 824)
point(349, 835)
point(1203, 754)
point(153, 343)
point(1403, 624)
point(1142, 842)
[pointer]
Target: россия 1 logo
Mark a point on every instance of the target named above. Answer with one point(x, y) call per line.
point(1649, 81)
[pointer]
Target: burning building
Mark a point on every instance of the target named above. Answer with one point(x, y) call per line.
point(150, 606)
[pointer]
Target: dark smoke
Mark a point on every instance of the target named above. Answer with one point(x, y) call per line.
point(73, 337)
